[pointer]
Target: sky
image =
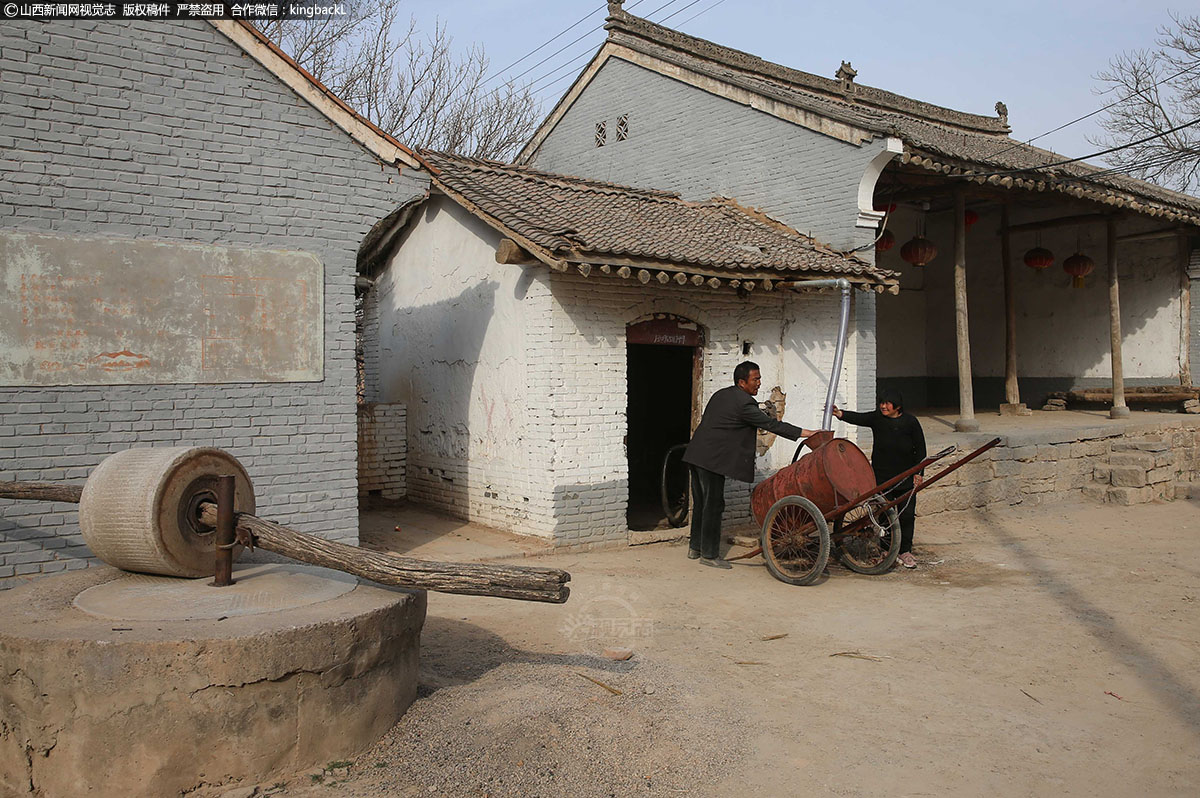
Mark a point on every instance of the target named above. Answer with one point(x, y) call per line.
point(1039, 58)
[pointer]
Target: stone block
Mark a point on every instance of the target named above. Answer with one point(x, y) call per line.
point(1051, 452)
point(1024, 453)
point(1175, 457)
point(1160, 475)
point(1142, 460)
point(974, 474)
point(1128, 476)
point(931, 502)
point(1102, 474)
point(1129, 495)
point(1096, 491)
point(1184, 490)
point(1040, 471)
point(1006, 468)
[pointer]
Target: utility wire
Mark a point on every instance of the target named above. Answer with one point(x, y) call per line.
point(499, 72)
point(533, 82)
point(1093, 113)
point(579, 58)
point(1082, 158)
point(575, 41)
point(680, 11)
point(702, 11)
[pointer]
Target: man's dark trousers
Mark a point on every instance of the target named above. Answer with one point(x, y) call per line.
point(708, 505)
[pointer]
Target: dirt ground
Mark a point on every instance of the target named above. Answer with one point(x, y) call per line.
point(1051, 651)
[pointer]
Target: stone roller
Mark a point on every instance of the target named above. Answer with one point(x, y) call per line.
point(154, 510)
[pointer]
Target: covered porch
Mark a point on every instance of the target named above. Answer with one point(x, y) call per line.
point(1019, 286)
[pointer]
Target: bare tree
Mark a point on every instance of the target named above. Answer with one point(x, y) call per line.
point(416, 88)
point(1160, 88)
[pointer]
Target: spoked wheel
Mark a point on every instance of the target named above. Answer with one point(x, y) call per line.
point(871, 547)
point(675, 486)
point(795, 541)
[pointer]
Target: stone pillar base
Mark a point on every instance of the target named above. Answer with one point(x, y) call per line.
point(966, 425)
point(1119, 412)
point(1018, 409)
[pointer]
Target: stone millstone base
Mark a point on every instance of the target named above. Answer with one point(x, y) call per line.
point(292, 668)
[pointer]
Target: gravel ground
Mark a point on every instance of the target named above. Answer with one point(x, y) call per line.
point(492, 720)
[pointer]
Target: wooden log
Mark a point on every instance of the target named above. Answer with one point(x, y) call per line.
point(474, 579)
point(509, 251)
point(42, 491)
point(524, 583)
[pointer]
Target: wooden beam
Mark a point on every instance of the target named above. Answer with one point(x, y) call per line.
point(966, 394)
point(1119, 408)
point(1149, 235)
point(1062, 221)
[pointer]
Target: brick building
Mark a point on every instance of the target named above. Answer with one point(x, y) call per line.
point(845, 162)
point(552, 336)
point(179, 266)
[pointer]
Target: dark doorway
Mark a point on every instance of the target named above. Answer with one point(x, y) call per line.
point(661, 379)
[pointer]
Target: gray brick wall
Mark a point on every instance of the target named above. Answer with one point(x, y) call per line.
point(169, 131)
point(687, 140)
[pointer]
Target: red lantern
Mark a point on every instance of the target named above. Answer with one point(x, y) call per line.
point(918, 251)
point(970, 217)
point(888, 208)
point(1078, 266)
point(885, 241)
point(1039, 258)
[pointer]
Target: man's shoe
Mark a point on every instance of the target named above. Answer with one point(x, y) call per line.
point(716, 562)
point(693, 554)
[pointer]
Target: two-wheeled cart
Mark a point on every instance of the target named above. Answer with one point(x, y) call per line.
point(828, 500)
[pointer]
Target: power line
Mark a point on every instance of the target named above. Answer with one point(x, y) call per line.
point(1081, 158)
point(533, 82)
point(1093, 113)
point(680, 11)
point(499, 72)
point(702, 11)
point(573, 42)
point(578, 58)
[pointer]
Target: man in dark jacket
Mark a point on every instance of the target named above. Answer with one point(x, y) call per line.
point(898, 445)
point(723, 446)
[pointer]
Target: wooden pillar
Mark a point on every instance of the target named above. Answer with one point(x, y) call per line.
point(1012, 392)
point(1119, 408)
point(1185, 311)
point(966, 395)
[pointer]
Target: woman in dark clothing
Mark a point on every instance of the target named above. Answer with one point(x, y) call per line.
point(899, 444)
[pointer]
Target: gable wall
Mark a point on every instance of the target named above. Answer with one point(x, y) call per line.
point(168, 131)
point(461, 341)
point(686, 140)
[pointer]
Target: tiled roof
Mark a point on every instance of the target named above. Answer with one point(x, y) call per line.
point(958, 142)
point(586, 221)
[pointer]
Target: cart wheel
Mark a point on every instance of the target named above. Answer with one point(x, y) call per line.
point(795, 541)
point(675, 486)
point(873, 548)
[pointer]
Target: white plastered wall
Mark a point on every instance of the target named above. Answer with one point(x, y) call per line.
point(454, 335)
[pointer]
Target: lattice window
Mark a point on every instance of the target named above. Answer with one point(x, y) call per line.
point(622, 127)
point(601, 133)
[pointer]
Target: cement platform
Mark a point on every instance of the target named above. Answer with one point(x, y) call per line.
point(166, 685)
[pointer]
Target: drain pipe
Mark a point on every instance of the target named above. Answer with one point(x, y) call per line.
point(840, 351)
